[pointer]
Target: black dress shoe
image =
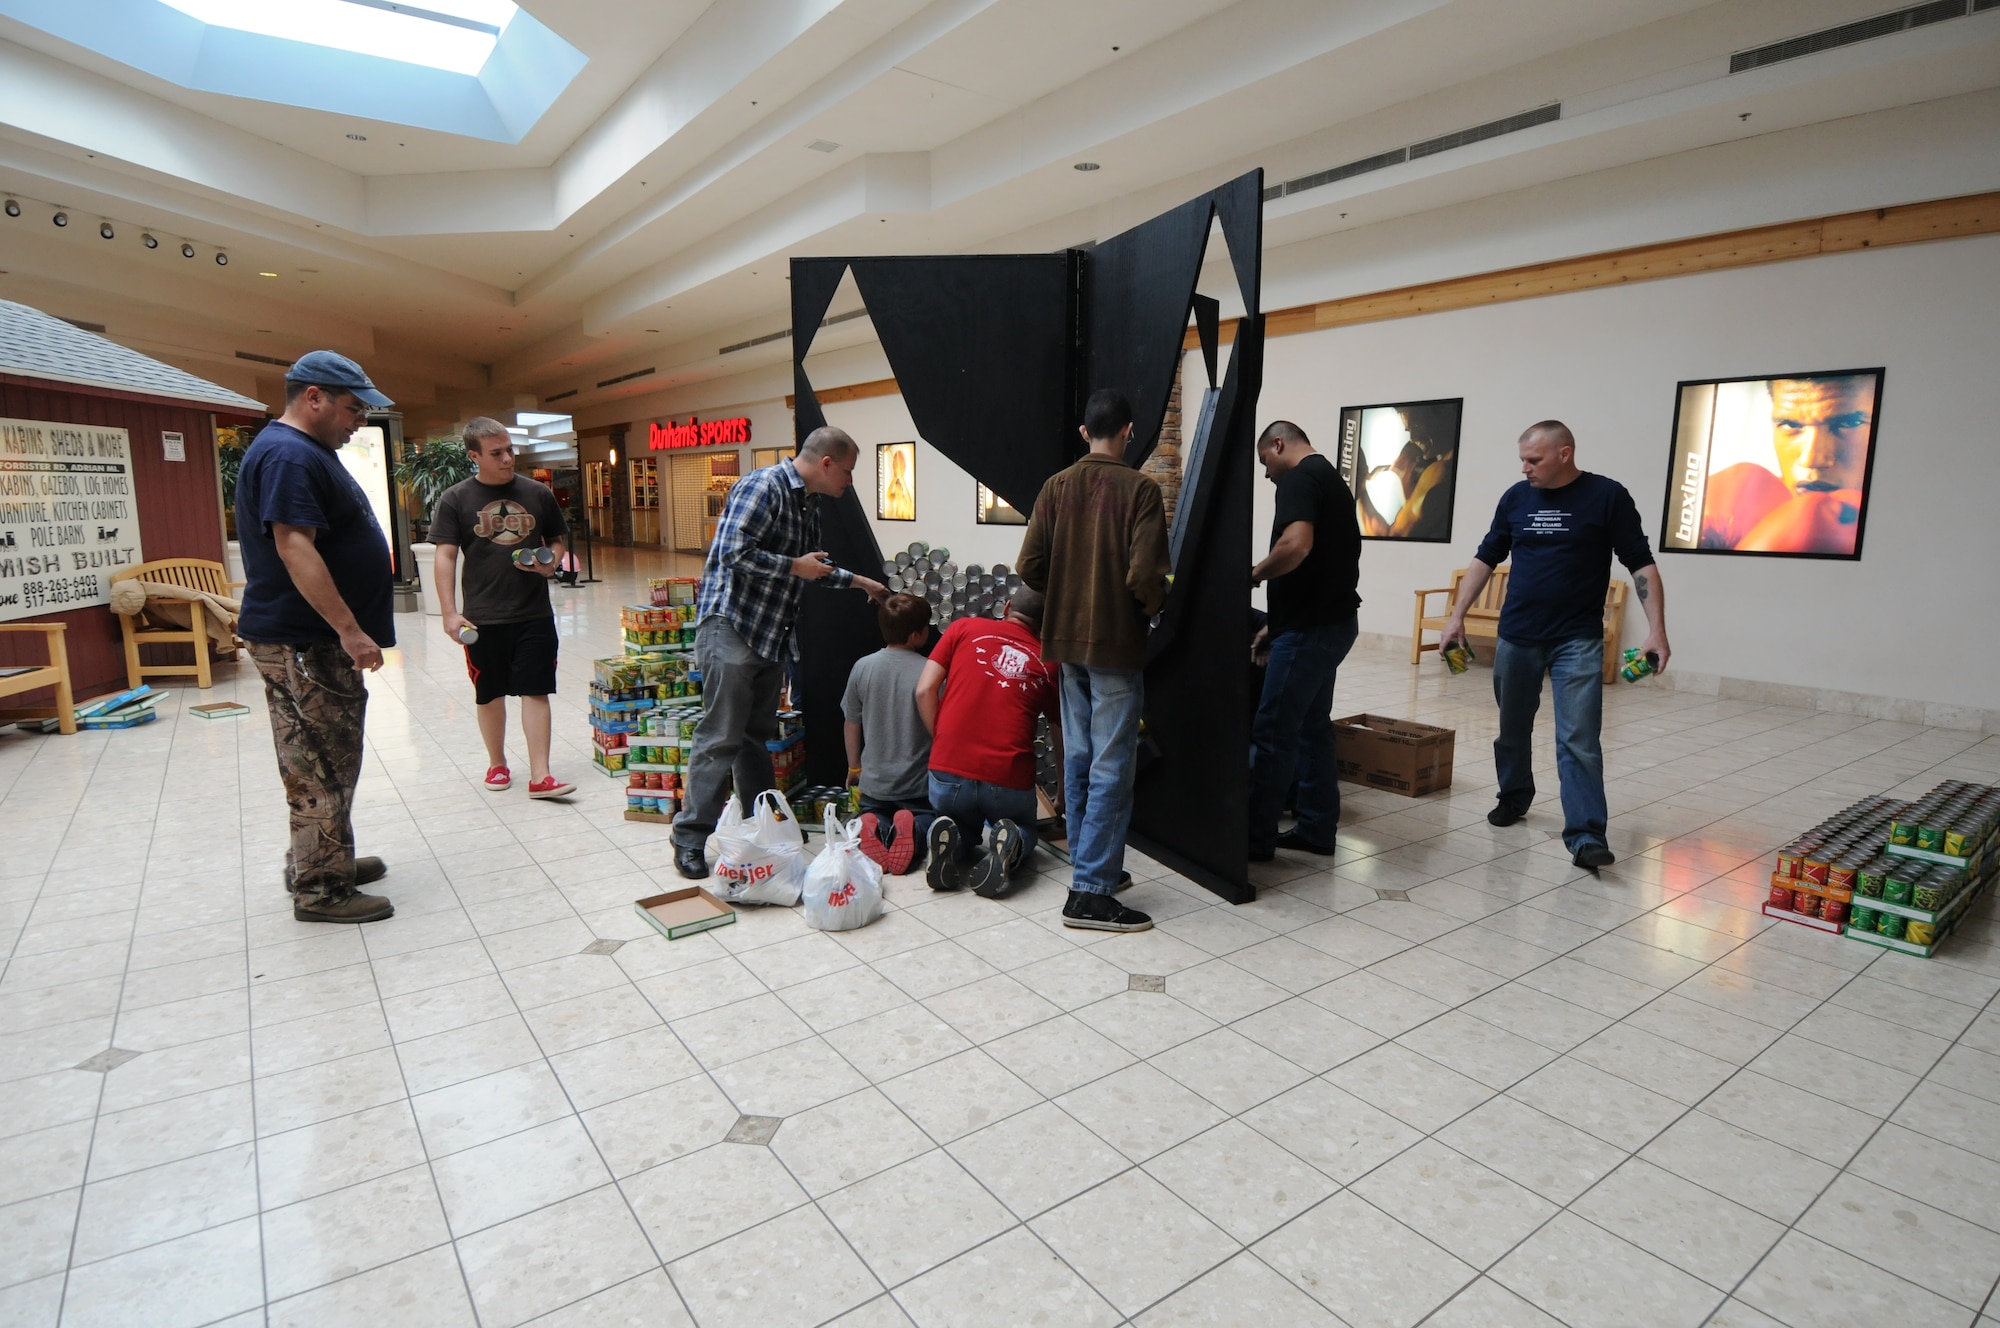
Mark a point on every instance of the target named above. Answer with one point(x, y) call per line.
point(691, 863)
point(1592, 855)
point(1292, 840)
point(1505, 815)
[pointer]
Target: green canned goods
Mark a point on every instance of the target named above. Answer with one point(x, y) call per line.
point(1900, 883)
point(1861, 918)
point(1890, 925)
point(1929, 894)
point(1868, 881)
point(1930, 837)
point(1903, 831)
point(1959, 841)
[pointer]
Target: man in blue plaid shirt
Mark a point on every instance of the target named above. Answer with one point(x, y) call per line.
point(757, 568)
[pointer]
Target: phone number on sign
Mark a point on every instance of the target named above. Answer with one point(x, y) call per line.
point(60, 590)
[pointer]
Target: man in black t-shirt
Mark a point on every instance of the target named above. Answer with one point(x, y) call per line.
point(493, 517)
point(317, 611)
point(1313, 569)
point(1561, 525)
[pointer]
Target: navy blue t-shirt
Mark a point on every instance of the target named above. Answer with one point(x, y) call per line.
point(287, 477)
point(1562, 541)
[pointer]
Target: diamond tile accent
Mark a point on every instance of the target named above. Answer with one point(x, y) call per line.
point(108, 1060)
point(753, 1130)
point(602, 946)
point(1146, 982)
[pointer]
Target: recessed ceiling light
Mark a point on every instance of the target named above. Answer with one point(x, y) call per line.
point(1085, 166)
point(267, 274)
point(149, 240)
point(654, 330)
point(221, 259)
point(821, 145)
point(104, 229)
point(60, 218)
point(13, 208)
point(187, 250)
point(358, 138)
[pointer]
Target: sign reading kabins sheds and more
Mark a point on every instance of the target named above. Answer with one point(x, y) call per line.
point(697, 433)
point(68, 515)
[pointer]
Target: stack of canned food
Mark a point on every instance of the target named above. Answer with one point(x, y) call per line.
point(1930, 887)
point(1955, 820)
point(953, 592)
point(1815, 874)
point(657, 761)
point(677, 590)
point(810, 804)
point(657, 626)
point(653, 793)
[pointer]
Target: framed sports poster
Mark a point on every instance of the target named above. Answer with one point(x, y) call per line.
point(993, 510)
point(1774, 467)
point(896, 481)
point(1400, 460)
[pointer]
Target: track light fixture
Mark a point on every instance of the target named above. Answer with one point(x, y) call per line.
point(104, 229)
point(221, 259)
point(60, 218)
point(187, 250)
point(149, 241)
point(13, 208)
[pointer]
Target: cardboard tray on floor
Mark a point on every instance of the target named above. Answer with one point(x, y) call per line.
point(679, 913)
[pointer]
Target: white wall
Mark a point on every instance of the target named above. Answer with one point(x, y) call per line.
point(946, 495)
point(1914, 618)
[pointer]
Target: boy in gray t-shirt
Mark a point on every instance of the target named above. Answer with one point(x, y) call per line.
point(888, 747)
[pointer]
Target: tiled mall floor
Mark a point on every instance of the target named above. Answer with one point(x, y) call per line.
point(1521, 1095)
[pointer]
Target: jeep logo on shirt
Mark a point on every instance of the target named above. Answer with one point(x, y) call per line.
point(504, 522)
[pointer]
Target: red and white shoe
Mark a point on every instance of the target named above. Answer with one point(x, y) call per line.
point(551, 787)
point(498, 778)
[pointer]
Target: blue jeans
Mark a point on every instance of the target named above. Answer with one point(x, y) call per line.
point(1292, 736)
point(973, 805)
point(1100, 716)
point(1576, 675)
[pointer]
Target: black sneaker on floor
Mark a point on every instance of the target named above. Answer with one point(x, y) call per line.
point(691, 863)
point(1591, 855)
point(1102, 913)
point(944, 871)
point(1502, 814)
point(1292, 840)
point(993, 876)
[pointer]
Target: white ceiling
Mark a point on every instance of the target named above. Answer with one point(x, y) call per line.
point(646, 220)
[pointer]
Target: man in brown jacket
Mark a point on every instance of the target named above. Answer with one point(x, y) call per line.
point(1097, 548)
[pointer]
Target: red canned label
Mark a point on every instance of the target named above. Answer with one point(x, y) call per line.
point(1814, 869)
point(1840, 878)
point(1835, 910)
point(1781, 897)
point(1789, 862)
point(1808, 905)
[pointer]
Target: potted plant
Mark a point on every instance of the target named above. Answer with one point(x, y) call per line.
point(427, 470)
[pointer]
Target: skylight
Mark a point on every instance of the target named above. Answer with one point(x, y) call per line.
point(453, 35)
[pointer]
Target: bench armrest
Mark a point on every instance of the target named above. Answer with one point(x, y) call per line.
point(34, 627)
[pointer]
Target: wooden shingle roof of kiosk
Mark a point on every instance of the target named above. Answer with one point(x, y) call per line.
point(39, 346)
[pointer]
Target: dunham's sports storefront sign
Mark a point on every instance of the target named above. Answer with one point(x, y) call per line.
point(697, 433)
point(68, 518)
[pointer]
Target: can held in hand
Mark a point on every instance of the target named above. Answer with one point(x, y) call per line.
point(1458, 658)
point(468, 635)
point(1638, 664)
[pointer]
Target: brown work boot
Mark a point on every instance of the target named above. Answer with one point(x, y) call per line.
point(355, 907)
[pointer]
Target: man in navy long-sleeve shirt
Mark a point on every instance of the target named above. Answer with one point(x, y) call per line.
point(1562, 525)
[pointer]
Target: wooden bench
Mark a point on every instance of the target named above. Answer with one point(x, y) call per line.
point(191, 574)
point(1482, 619)
point(53, 674)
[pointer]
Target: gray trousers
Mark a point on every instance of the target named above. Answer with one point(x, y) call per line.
point(739, 700)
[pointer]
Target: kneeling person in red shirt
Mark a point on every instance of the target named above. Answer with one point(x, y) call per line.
point(994, 687)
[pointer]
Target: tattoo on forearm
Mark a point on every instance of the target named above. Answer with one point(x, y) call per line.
point(1641, 587)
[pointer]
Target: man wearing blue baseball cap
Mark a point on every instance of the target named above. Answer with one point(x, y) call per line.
point(317, 611)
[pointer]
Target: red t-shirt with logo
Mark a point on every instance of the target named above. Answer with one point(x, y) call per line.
point(996, 685)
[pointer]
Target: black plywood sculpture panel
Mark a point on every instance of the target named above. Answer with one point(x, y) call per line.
point(994, 355)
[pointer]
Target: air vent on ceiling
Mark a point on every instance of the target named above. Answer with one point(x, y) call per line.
point(254, 357)
point(821, 145)
point(1867, 29)
point(88, 327)
point(1430, 147)
point(625, 378)
point(768, 337)
point(560, 396)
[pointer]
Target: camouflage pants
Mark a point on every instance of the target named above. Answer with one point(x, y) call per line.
point(317, 703)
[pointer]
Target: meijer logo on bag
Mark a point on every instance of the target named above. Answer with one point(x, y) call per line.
point(844, 895)
point(748, 873)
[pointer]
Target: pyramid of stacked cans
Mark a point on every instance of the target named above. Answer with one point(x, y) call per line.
point(953, 592)
point(656, 669)
point(1891, 873)
point(656, 761)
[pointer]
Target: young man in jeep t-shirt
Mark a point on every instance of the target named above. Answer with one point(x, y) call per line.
point(995, 686)
point(492, 517)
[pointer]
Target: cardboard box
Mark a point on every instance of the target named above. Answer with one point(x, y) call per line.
point(679, 913)
point(1395, 754)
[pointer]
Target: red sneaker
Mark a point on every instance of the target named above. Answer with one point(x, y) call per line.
point(872, 846)
point(498, 778)
point(551, 787)
point(903, 849)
